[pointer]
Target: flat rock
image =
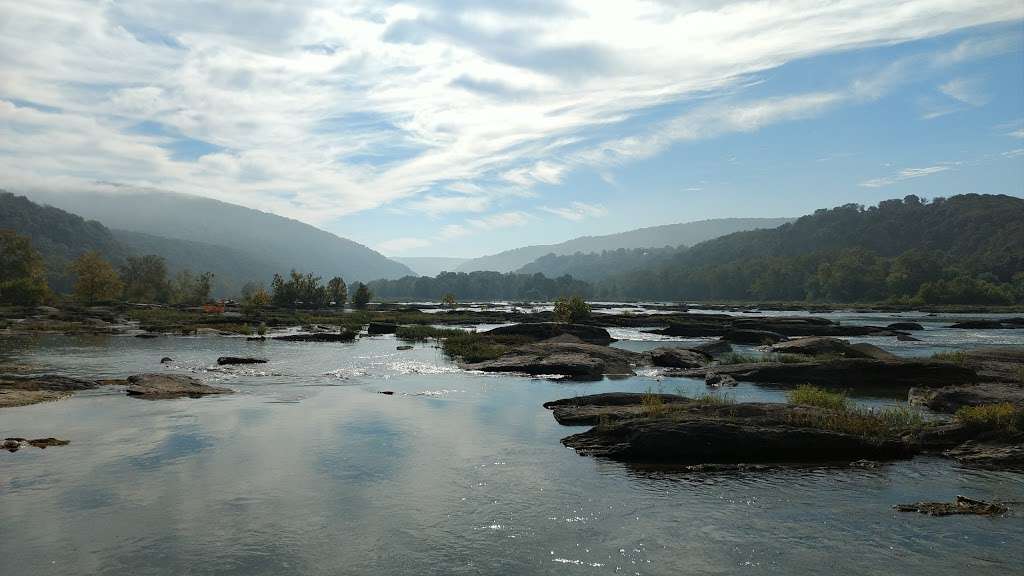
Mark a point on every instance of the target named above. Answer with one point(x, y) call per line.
point(949, 399)
point(713, 348)
point(905, 326)
point(962, 505)
point(569, 359)
point(162, 386)
point(228, 360)
point(850, 373)
point(721, 324)
point(1002, 455)
point(819, 346)
point(346, 336)
point(981, 325)
point(874, 352)
point(545, 330)
point(677, 358)
point(15, 444)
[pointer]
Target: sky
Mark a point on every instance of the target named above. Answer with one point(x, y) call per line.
point(431, 128)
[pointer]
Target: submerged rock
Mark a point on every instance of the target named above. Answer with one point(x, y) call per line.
point(716, 380)
point(545, 330)
point(404, 347)
point(228, 360)
point(166, 360)
point(962, 505)
point(163, 386)
point(1004, 454)
point(566, 358)
point(980, 325)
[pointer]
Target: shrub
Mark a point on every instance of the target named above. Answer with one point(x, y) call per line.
point(651, 403)
point(807, 395)
point(1003, 416)
point(573, 310)
point(956, 356)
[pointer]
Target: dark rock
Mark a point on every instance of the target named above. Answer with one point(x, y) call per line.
point(1005, 454)
point(871, 351)
point(166, 359)
point(951, 398)
point(228, 360)
point(377, 328)
point(818, 346)
point(15, 444)
point(758, 337)
point(907, 338)
point(545, 330)
point(962, 505)
point(717, 380)
point(147, 335)
point(162, 386)
point(404, 347)
point(346, 336)
point(255, 338)
point(677, 358)
point(850, 373)
point(980, 325)
point(569, 359)
point(905, 326)
point(387, 392)
point(52, 382)
point(713, 348)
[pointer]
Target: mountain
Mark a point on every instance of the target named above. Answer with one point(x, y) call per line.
point(963, 249)
point(282, 242)
point(59, 237)
point(599, 265)
point(687, 234)
point(430, 265)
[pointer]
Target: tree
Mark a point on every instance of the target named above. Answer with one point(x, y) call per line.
point(572, 309)
point(189, 288)
point(362, 296)
point(298, 290)
point(22, 276)
point(95, 279)
point(449, 301)
point(337, 291)
point(145, 279)
point(254, 295)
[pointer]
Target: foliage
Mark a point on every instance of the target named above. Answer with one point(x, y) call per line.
point(473, 347)
point(145, 279)
point(299, 291)
point(22, 276)
point(362, 296)
point(420, 332)
point(189, 288)
point(95, 279)
point(449, 301)
point(651, 403)
point(1004, 417)
point(808, 395)
point(572, 309)
point(955, 356)
point(480, 286)
point(337, 291)
point(739, 358)
point(254, 296)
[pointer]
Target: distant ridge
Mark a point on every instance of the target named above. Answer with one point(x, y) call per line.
point(280, 242)
point(430, 265)
point(686, 233)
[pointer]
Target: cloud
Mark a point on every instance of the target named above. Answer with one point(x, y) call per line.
point(1015, 153)
point(315, 110)
point(577, 211)
point(403, 244)
point(966, 90)
point(1018, 133)
point(905, 174)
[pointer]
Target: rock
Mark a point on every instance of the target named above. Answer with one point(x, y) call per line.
point(962, 505)
point(677, 358)
point(15, 444)
point(818, 346)
point(980, 325)
point(26, 390)
point(717, 380)
point(569, 359)
point(609, 406)
point(347, 336)
point(951, 398)
point(686, 432)
point(163, 386)
point(691, 325)
point(147, 335)
point(757, 337)
point(1001, 455)
point(404, 347)
point(387, 392)
point(545, 330)
point(905, 326)
point(907, 338)
point(997, 364)
point(166, 360)
point(13, 398)
point(227, 360)
point(376, 328)
point(871, 351)
point(713, 348)
point(851, 373)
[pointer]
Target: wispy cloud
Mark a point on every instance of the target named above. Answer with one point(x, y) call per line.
point(402, 245)
point(1015, 153)
point(966, 90)
point(577, 211)
point(906, 174)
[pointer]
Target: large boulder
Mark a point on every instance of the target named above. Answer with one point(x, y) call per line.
point(162, 386)
point(565, 358)
point(544, 330)
point(712, 348)
point(817, 346)
point(677, 358)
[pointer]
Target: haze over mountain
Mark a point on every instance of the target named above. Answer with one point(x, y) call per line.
point(686, 233)
point(430, 265)
point(281, 243)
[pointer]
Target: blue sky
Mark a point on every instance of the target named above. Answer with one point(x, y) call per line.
point(459, 129)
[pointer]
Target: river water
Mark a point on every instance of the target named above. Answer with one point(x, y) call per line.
point(307, 469)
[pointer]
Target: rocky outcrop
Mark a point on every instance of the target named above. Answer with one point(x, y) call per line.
point(26, 390)
point(377, 328)
point(983, 325)
point(755, 337)
point(15, 444)
point(229, 360)
point(912, 326)
point(713, 348)
point(677, 358)
point(163, 386)
point(1005, 454)
point(848, 373)
point(566, 358)
point(691, 325)
point(544, 330)
point(951, 398)
point(962, 505)
point(345, 336)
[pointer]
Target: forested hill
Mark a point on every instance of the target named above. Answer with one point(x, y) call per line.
point(599, 265)
point(282, 241)
point(959, 249)
point(687, 233)
point(58, 236)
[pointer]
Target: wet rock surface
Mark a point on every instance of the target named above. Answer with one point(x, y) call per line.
point(577, 360)
point(677, 358)
point(377, 328)
point(961, 505)
point(15, 444)
point(346, 336)
point(546, 330)
point(16, 390)
point(164, 386)
point(229, 360)
point(691, 325)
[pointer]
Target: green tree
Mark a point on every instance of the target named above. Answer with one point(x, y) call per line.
point(145, 279)
point(362, 296)
point(22, 275)
point(298, 290)
point(189, 288)
point(95, 279)
point(337, 291)
point(449, 301)
point(254, 295)
point(572, 309)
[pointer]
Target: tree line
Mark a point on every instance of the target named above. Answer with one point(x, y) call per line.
point(480, 286)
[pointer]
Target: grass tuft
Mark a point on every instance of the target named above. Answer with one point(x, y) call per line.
point(807, 395)
point(1003, 417)
point(956, 357)
point(842, 415)
point(651, 403)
